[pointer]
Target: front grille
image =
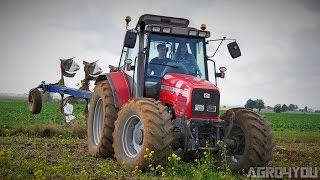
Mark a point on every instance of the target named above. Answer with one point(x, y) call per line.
point(209, 98)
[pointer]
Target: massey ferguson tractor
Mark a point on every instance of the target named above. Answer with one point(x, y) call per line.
point(159, 97)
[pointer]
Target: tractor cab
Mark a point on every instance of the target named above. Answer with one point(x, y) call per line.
point(158, 46)
point(171, 54)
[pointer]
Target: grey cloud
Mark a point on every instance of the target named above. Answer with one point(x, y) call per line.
point(312, 5)
point(279, 61)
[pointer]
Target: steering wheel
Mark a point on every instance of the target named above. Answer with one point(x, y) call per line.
point(175, 67)
point(199, 73)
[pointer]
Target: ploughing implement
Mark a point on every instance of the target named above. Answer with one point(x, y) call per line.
point(68, 95)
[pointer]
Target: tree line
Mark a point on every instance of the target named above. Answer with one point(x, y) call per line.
point(283, 108)
point(259, 104)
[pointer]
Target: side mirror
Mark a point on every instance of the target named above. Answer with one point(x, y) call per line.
point(130, 39)
point(234, 50)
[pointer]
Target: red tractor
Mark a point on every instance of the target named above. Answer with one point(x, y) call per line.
point(160, 98)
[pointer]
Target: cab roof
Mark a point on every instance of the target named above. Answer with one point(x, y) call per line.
point(163, 20)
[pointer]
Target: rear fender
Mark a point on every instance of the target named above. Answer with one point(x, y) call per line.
point(120, 86)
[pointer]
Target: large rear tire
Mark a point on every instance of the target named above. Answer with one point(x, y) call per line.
point(35, 101)
point(142, 123)
point(101, 117)
point(253, 137)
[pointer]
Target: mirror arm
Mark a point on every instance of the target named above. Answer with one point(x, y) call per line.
point(218, 74)
point(221, 40)
point(215, 71)
point(121, 56)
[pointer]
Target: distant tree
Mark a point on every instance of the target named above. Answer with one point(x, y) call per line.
point(306, 109)
point(317, 111)
point(259, 104)
point(291, 107)
point(277, 108)
point(284, 108)
point(250, 104)
point(269, 107)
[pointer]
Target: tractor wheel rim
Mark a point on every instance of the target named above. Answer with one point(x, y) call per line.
point(132, 136)
point(98, 122)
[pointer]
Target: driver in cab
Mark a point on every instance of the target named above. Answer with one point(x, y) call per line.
point(156, 67)
point(187, 59)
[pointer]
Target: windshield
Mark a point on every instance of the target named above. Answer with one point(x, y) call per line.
point(169, 54)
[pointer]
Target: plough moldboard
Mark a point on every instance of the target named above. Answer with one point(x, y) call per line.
point(68, 95)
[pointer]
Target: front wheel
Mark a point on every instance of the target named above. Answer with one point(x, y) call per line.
point(142, 123)
point(252, 140)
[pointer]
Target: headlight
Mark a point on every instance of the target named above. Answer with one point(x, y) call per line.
point(156, 28)
point(192, 33)
point(199, 107)
point(166, 30)
point(211, 108)
point(202, 33)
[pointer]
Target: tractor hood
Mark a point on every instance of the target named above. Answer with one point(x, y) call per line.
point(186, 82)
point(183, 92)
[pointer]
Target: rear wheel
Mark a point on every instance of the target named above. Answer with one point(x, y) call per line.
point(35, 101)
point(252, 140)
point(142, 123)
point(101, 117)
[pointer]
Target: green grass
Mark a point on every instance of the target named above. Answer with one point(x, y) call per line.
point(294, 121)
point(16, 112)
point(297, 137)
point(43, 145)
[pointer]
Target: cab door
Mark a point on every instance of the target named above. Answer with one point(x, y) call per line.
point(128, 63)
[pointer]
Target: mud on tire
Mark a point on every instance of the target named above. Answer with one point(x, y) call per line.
point(100, 123)
point(35, 101)
point(257, 144)
point(142, 123)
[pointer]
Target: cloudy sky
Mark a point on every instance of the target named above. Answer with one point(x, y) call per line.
point(279, 41)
